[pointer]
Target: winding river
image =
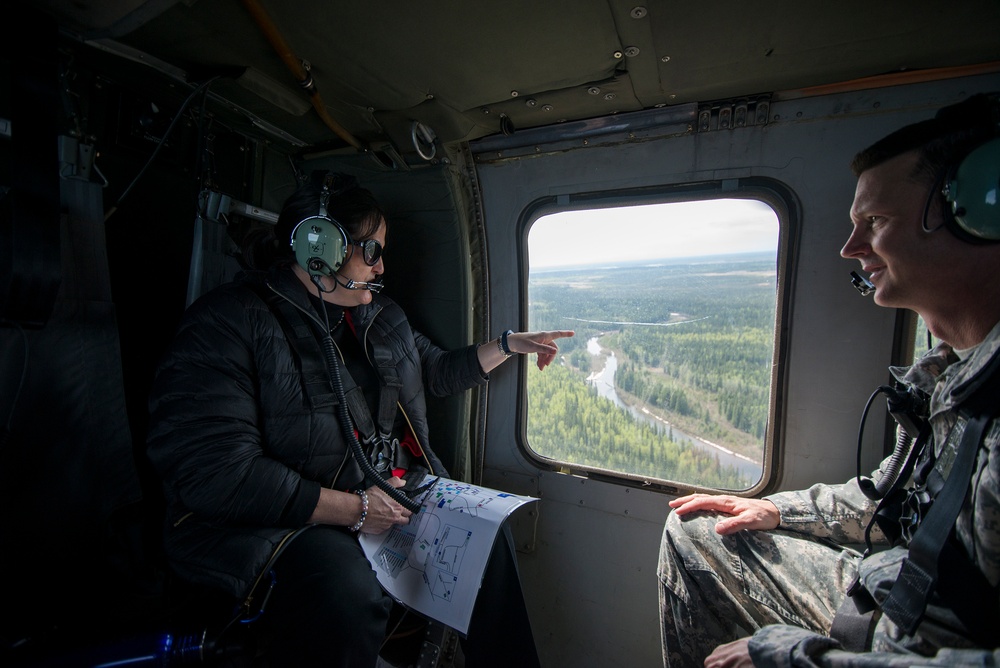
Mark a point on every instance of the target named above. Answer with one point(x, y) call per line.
point(604, 382)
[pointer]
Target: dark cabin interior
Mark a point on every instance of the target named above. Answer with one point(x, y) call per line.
point(95, 255)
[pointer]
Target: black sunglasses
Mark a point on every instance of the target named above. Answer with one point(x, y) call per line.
point(372, 250)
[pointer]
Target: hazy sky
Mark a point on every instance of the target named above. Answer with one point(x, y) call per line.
point(652, 231)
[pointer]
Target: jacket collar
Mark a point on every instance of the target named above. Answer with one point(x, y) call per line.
point(282, 280)
point(949, 380)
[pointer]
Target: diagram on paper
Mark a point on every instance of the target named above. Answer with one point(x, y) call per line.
point(435, 564)
point(425, 545)
point(452, 496)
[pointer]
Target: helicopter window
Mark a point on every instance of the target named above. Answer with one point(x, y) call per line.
point(669, 374)
point(922, 339)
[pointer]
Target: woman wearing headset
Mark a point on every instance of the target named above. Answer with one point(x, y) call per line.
point(264, 488)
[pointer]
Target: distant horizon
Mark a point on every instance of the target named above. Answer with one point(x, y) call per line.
point(651, 262)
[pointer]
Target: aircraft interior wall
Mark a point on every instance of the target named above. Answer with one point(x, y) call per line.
point(832, 340)
point(97, 270)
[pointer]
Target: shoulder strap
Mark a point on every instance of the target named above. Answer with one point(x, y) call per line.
point(302, 338)
point(376, 440)
point(911, 591)
point(392, 384)
point(854, 622)
point(918, 576)
point(936, 564)
point(376, 435)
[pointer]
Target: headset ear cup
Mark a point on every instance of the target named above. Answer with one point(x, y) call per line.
point(973, 192)
point(319, 244)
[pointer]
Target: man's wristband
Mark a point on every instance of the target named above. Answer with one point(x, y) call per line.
point(504, 348)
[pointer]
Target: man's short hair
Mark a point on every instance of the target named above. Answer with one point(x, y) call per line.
point(942, 141)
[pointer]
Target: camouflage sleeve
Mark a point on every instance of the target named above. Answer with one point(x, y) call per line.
point(837, 512)
point(779, 646)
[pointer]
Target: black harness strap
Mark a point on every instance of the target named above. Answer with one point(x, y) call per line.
point(315, 376)
point(388, 451)
point(380, 447)
point(854, 623)
point(936, 565)
point(379, 450)
point(855, 619)
point(383, 450)
point(911, 591)
point(969, 594)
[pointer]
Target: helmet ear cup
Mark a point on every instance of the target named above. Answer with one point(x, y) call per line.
point(319, 244)
point(973, 192)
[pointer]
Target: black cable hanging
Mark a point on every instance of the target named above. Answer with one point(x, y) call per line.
point(333, 365)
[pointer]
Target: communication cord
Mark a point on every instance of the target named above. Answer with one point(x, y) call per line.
point(333, 367)
point(903, 406)
point(332, 363)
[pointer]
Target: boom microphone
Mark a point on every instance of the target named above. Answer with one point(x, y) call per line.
point(373, 286)
point(863, 285)
point(318, 267)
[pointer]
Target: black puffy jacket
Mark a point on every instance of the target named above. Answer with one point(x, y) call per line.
point(240, 448)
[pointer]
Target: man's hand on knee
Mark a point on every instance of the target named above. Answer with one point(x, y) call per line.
point(735, 654)
point(743, 513)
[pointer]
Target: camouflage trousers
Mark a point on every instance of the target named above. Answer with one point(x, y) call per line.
point(714, 589)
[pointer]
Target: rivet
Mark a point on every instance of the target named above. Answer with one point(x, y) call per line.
point(637, 12)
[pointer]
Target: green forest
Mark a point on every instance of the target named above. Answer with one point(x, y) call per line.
point(693, 341)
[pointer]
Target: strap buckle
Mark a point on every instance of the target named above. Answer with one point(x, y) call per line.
point(382, 451)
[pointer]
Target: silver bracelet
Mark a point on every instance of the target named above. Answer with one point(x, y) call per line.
point(364, 510)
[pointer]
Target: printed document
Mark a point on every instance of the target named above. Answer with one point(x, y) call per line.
point(435, 564)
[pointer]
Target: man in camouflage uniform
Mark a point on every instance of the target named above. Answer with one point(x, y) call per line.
point(778, 568)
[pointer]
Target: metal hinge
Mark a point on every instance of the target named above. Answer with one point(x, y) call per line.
point(735, 113)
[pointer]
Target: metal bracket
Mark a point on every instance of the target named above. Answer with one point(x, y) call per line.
point(215, 206)
point(76, 160)
point(439, 647)
point(735, 113)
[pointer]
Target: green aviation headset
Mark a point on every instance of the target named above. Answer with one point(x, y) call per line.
point(320, 242)
point(972, 189)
